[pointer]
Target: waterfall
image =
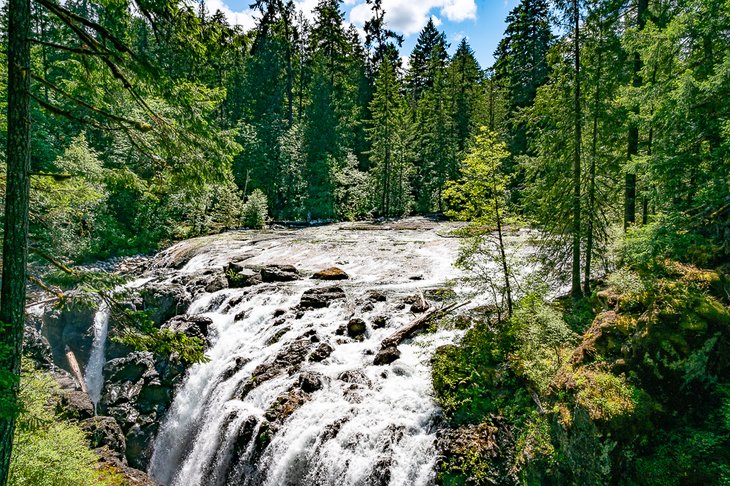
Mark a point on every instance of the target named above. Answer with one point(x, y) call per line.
point(363, 424)
point(93, 374)
point(94, 371)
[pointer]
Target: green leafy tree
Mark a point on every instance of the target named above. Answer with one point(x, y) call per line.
point(479, 196)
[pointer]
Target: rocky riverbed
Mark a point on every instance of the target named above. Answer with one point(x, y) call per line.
point(298, 388)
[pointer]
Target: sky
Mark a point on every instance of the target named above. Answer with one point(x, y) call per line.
point(480, 21)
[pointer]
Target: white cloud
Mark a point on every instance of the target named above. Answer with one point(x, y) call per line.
point(245, 18)
point(459, 10)
point(406, 17)
point(409, 16)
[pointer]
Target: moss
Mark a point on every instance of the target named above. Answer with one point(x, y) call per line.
point(604, 395)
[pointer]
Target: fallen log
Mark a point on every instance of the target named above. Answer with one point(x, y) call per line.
point(76, 369)
point(416, 325)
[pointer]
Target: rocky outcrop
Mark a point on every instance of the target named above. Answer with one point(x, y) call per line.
point(490, 443)
point(279, 273)
point(332, 273)
point(105, 432)
point(320, 297)
point(165, 301)
point(192, 326)
point(70, 328)
point(137, 393)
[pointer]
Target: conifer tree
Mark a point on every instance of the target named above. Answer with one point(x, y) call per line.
point(388, 135)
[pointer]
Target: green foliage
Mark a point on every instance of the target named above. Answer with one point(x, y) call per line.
point(48, 451)
point(543, 342)
point(255, 210)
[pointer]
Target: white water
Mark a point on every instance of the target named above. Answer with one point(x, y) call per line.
point(94, 371)
point(93, 374)
point(388, 427)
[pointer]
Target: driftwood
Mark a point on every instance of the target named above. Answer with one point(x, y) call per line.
point(76, 369)
point(389, 347)
point(416, 325)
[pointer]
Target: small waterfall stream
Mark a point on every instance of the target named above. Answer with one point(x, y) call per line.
point(363, 424)
point(93, 373)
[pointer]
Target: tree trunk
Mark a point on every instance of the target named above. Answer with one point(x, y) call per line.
point(592, 172)
point(633, 136)
point(503, 256)
point(575, 281)
point(15, 240)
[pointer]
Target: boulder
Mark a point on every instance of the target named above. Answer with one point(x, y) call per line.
point(356, 377)
point(74, 405)
point(310, 381)
point(356, 328)
point(219, 282)
point(105, 431)
point(320, 297)
point(279, 273)
point(386, 356)
point(165, 301)
point(375, 296)
point(380, 322)
point(239, 277)
point(192, 326)
point(283, 407)
point(322, 352)
point(332, 273)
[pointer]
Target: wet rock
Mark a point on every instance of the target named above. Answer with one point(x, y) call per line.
point(71, 328)
point(356, 377)
point(165, 301)
point(239, 277)
point(321, 297)
point(322, 352)
point(137, 393)
point(277, 336)
point(283, 407)
point(279, 273)
point(192, 326)
point(310, 381)
point(375, 296)
point(279, 312)
point(238, 363)
point(74, 405)
point(419, 305)
point(380, 322)
point(219, 282)
point(288, 361)
point(367, 307)
point(332, 273)
point(356, 328)
point(386, 356)
point(132, 368)
point(104, 431)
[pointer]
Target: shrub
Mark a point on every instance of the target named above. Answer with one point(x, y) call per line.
point(48, 451)
point(255, 210)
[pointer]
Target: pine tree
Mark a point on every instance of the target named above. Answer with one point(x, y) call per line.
point(388, 135)
point(464, 83)
point(420, 75)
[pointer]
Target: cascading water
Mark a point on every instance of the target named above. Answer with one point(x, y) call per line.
point(245, 416)
point(93, 373)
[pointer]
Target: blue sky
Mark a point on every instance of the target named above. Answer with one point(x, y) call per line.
point(480, 21)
